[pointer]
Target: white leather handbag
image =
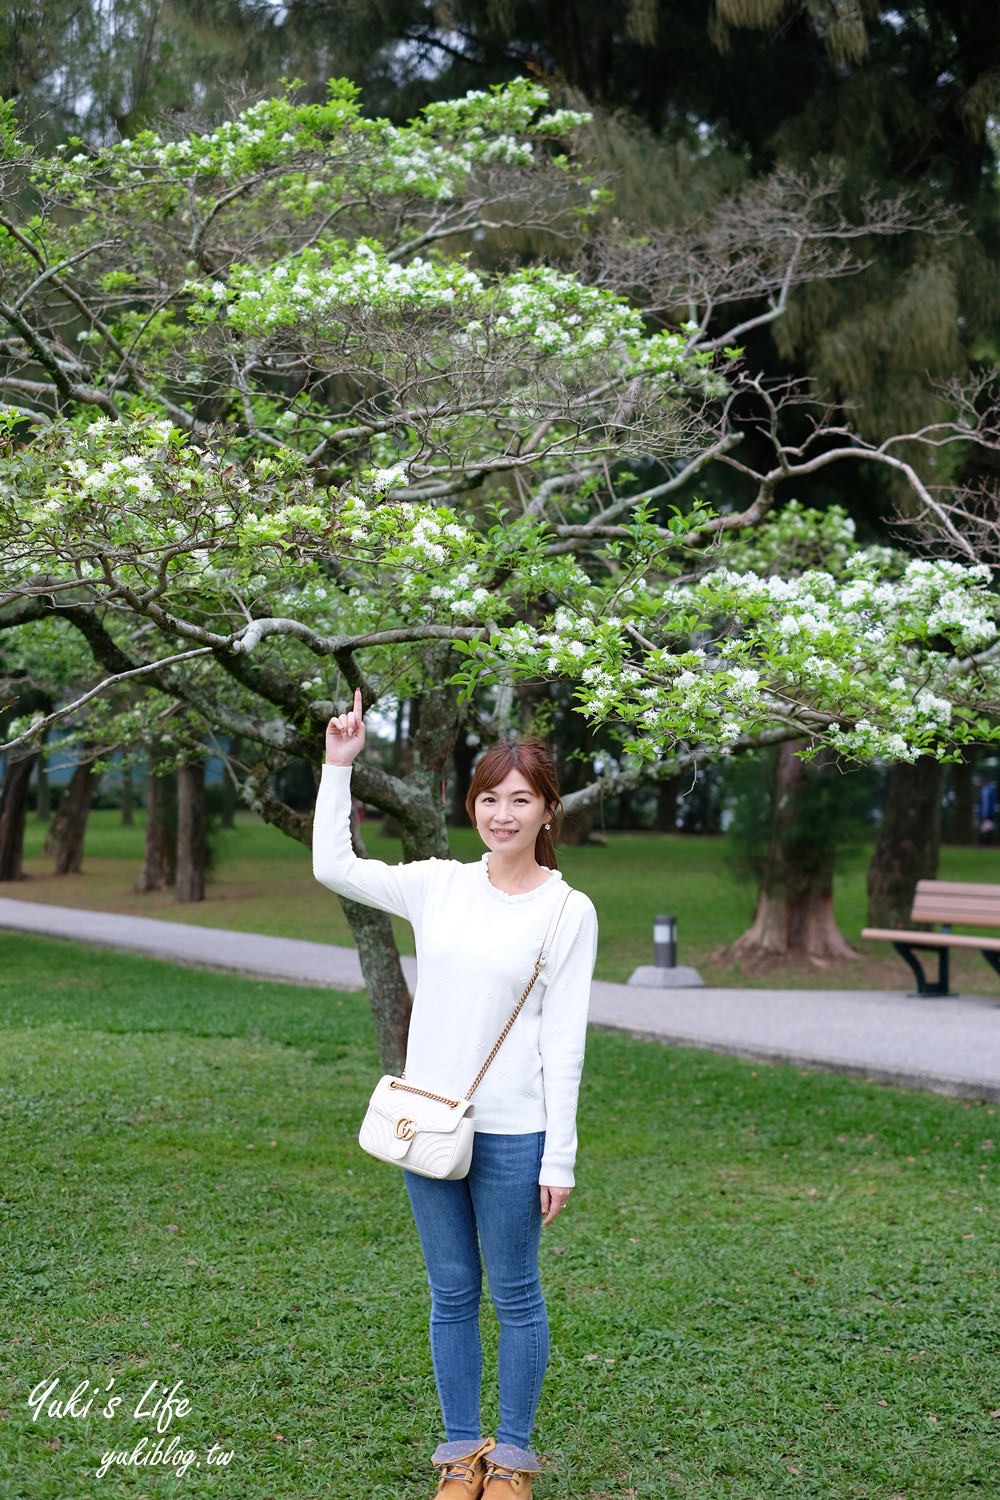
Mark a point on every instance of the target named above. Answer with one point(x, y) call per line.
point(426, 1132)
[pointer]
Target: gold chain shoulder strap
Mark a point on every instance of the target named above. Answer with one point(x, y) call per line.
point(540, 963)
point(411, 1088)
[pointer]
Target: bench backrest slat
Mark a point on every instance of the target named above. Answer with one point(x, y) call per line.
point(953, 901)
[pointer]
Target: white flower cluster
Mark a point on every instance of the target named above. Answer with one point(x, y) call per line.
point(872, 657)
point(929, 598)
point(439, 568)
point(435, 170)
point(517, 643)
point(954, 600)
point(508, 108)
point(554, 313)
point(559, 314)
point(539, 309)
point(462, 596)
point(271, 132)
point(562, 122)
point(432, 156)
point(383, 480)
point(113, 478)
point(306, 289)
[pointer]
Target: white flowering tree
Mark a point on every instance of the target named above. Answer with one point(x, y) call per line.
point(310, 401)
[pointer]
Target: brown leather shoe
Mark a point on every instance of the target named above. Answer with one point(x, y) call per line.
point(509, 1473)
point(463, 1469)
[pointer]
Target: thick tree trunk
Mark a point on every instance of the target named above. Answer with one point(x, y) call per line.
point(463, 760)
point(43, 792)
point(795, 924)
point(794, 919)
point(385, 981)
point(576, 827)
point(909, 841)
point(128, 796)
point(159, 866)
point(565, 32)
point(666, 804)
point(434, 726)
point(963, 823)
point(65, 837)
point(14, 812)
point(192, 841)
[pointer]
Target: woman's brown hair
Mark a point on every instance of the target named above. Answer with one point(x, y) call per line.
point(534, 761)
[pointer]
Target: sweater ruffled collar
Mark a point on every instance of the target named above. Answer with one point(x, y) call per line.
point(555, 877)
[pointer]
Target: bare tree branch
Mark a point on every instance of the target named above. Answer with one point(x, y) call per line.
point(638, 773)
point(40, 726)
point(71, 390)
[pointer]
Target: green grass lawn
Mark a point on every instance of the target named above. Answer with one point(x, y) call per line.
point(262, 882)
point(769, 1283)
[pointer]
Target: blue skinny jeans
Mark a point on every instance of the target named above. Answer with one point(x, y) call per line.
point(496, 1209)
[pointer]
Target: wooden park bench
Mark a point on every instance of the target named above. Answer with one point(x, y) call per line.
point(946, 902)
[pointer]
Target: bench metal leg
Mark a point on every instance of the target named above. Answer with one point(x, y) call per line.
point(926, 986)
point(992, 958)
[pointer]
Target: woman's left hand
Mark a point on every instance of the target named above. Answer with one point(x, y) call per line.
point(553, 1202)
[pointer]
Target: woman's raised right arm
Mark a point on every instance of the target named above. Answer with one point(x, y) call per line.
point(392, 888)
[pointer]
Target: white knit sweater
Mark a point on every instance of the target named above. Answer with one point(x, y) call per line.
point(476, 947)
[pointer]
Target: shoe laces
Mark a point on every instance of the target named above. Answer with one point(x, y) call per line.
point(460, 1469)
point(513, 1477)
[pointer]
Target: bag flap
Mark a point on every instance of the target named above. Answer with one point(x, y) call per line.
point(408, 1112)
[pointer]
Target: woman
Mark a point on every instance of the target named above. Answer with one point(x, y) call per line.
point(478, 930)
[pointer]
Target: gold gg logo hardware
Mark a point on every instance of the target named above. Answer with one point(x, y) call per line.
point(405, 1129)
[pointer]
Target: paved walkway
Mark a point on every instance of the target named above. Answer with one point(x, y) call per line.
point(949, 1045)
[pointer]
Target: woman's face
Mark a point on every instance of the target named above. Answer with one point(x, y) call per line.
point(509, 815)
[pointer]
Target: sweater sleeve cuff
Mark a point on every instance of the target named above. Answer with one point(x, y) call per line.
point(556, 1173)
point(335, 773)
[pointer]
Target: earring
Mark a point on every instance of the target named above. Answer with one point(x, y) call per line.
point(547, 827)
